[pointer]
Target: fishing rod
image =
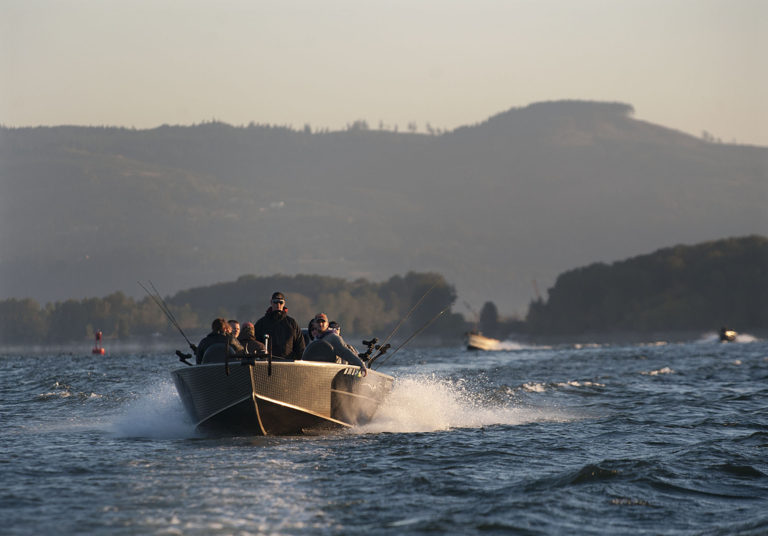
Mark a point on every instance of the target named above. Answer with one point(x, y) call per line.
point(422, 328)
point(164, 306)
point(384, 346)
point(171, 318)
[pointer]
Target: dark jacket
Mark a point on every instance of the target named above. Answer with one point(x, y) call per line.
point(252, 345)
point(340, 348)
point(216, 338)
point(285, 337)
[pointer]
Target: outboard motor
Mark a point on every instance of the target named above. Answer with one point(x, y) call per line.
point(319, 350)
point(217, 353)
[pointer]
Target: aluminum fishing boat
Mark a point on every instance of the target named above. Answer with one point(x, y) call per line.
point(278, 397)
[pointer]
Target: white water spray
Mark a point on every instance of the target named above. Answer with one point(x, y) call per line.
point(429, 404)
point(158, 414)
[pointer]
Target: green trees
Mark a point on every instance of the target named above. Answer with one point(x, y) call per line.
point(116, 315)
point(361, 307)
point(489, 320)
point(21, 321)
point(705, 286)
point(700, 287)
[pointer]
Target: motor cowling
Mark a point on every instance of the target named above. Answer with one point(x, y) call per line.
point(319, 350)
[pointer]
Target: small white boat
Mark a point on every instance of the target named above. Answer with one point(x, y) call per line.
point(727, 335)
point(253, 396)
point(477, 341)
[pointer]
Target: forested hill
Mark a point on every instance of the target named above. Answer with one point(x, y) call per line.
point(684, 288)
point(699, 287)
point(414, 302)
point(521, 196)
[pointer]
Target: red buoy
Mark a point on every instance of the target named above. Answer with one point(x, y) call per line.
point(97, 348)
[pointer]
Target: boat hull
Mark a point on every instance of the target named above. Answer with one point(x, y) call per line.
point(288, 398)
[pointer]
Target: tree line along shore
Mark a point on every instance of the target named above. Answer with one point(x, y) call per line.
point(683, 288)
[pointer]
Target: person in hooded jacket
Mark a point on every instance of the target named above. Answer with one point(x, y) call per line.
point(221, 333)
point(336, 328)
point(249, 341)
point(310, 333)
point(331, 338)
point(285, 338)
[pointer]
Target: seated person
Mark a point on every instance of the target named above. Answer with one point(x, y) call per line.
point(310, 332)
point(321, 321)
point(314, 330)
point(235, 328)
point(328, 346)
point(249, 341)
point(336, 327)
point(221, 334)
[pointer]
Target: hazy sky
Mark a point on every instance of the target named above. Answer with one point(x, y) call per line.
point(693, 65)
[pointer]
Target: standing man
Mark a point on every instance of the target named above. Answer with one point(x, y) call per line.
point(285, 338)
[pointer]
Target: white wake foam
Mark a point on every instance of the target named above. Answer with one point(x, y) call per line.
point(514, 345)
point(740, 338)
point(157, 414)
point(429, 404)
point(419, 403)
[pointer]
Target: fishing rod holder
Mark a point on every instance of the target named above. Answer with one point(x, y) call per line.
point(183, 357)
point(252, 359)
point(371, 346)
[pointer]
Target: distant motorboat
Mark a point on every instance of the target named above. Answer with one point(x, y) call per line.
point(478, 341)
point(727, 335)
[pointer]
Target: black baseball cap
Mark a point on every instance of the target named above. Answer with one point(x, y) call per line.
point(278, 296)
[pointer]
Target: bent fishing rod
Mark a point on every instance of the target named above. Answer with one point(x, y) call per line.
point(417, 332)
point(384, 346)
point(171, 318)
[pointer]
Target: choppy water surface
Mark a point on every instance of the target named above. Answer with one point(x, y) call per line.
point(641, 439)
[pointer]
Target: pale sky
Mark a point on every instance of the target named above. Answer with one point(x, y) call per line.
point(691, 65)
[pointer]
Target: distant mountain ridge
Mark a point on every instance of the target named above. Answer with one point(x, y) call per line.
point(518, 198)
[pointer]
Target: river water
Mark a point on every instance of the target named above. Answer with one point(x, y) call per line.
point(637, 439)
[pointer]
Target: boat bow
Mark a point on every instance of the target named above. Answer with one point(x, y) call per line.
point(293, 397)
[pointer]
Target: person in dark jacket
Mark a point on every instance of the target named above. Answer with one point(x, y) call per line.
point(221, 333)
point(235, 328)
point(285, 338)
point(337, 348)
point(336, 328)
point(310, 333)
point(249, 341)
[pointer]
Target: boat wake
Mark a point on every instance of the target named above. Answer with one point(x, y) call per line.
point(511, 345)
point(740, 338)
point(430, 404)
point(158, 414)
point(417, 404)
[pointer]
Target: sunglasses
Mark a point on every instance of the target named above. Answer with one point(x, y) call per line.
point(320, 321)
point(280, 302)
